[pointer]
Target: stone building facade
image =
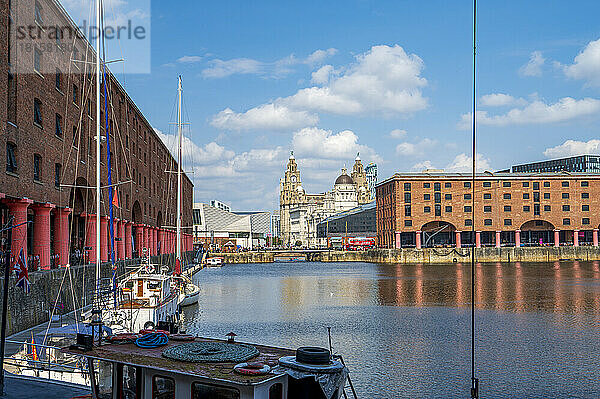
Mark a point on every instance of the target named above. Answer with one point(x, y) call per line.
point(518, 209)
point(47, 137)
point(300, 213)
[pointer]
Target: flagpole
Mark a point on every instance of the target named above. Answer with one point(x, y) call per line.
point(7, 253)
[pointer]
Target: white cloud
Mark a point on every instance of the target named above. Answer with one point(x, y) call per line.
point(397, 133)
point(534, 66)
point(500, 100)
point(321, 75)
point(586, 65)
point(383, 81)
point(324, 144)
point(189, 59)
point(210, 153)
point(463, 163)
point(573, 147)
point(265, 117)
point(221, 69)
point(537, 112)
point(319, 56)
point(247, 66)
point(415, 149)
point(422, 166)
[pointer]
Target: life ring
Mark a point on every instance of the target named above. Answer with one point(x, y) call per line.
point(252, 368)
point(149, 325)
point(182, 337)
point(149, 331)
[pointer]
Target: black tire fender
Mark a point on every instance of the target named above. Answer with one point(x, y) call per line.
point(312, 355)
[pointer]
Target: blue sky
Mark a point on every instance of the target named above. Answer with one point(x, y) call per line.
point(391, 79)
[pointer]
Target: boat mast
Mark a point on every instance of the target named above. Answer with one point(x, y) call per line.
point(179, 140)
point(98, 146)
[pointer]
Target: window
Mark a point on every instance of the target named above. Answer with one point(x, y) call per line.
point(448, 185)
point(526, 208)
point(437, 198)
point(546, 195)
point(585, 221)
point(468, 222)
point(58, 126)
point(437, 186)
point(546, 184)
point(525, 184)
point(536, 185)
point(37, 111)
point(506, 196)
point(585, 208)
point(407, 210)
point(407, 198)
point(547, 208)
point(37, 160)
point(487, 184)
point(536, 197)
point(448, 209)
point(487, 222)
point(448, 197)
point(201, 391)
point(467, 184)
point(467, 196)
point(565, 195)
point(507, 208)
point(508, 222)
point(566, 208)
point(75, 94)
point(406, 186)
point(427, 209)
point(57, 169)
point(426, 185)
point(11, 158)
point(438, 210)
point(468, 209)
point(585, 184)
point(585, 195)
point(58, 80)
point(487, 208)
point(163, 388)
point(525, 196)
point(37, 60)
point(565, 184)
point(487, 196)
point(38, 13)
point(427, 197)
point(276, 391)
point(506, 184)
point(407, 223)
point(566, 221)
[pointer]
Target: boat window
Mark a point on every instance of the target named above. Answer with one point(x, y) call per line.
point(205, 391)
point(130, 385)
point(163, 387)
point(104, 381)
point(276, 391)
point(153, 285)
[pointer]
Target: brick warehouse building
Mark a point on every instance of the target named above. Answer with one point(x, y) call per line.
point(47, 137)
point(434, 209)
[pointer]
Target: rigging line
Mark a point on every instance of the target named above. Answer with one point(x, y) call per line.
point(474, 380)
point(73, 298)
point(54, 307)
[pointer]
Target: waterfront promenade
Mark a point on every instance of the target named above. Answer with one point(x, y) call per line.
point(426, 255)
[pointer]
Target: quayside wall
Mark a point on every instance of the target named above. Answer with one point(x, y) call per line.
point(28, 310)
point(428, 255)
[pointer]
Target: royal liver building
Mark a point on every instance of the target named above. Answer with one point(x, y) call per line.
point(301, 212)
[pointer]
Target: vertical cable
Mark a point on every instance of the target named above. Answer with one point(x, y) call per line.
point(474, 381)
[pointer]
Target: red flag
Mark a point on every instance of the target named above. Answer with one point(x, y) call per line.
point(116, 198)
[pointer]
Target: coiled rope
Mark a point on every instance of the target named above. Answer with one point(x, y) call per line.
point(152, 340)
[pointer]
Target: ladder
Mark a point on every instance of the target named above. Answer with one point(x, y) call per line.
point(349, 385)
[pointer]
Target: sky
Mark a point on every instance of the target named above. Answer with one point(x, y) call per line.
point(389, 79)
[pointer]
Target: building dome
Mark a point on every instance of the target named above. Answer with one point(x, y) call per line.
point(344, 179)
point(300, 189)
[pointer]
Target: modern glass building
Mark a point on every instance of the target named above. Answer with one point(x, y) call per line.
point(371, 171)
point(355, 222)
point(581, 164)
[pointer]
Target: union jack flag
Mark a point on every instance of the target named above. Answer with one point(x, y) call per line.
point(22, 275)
